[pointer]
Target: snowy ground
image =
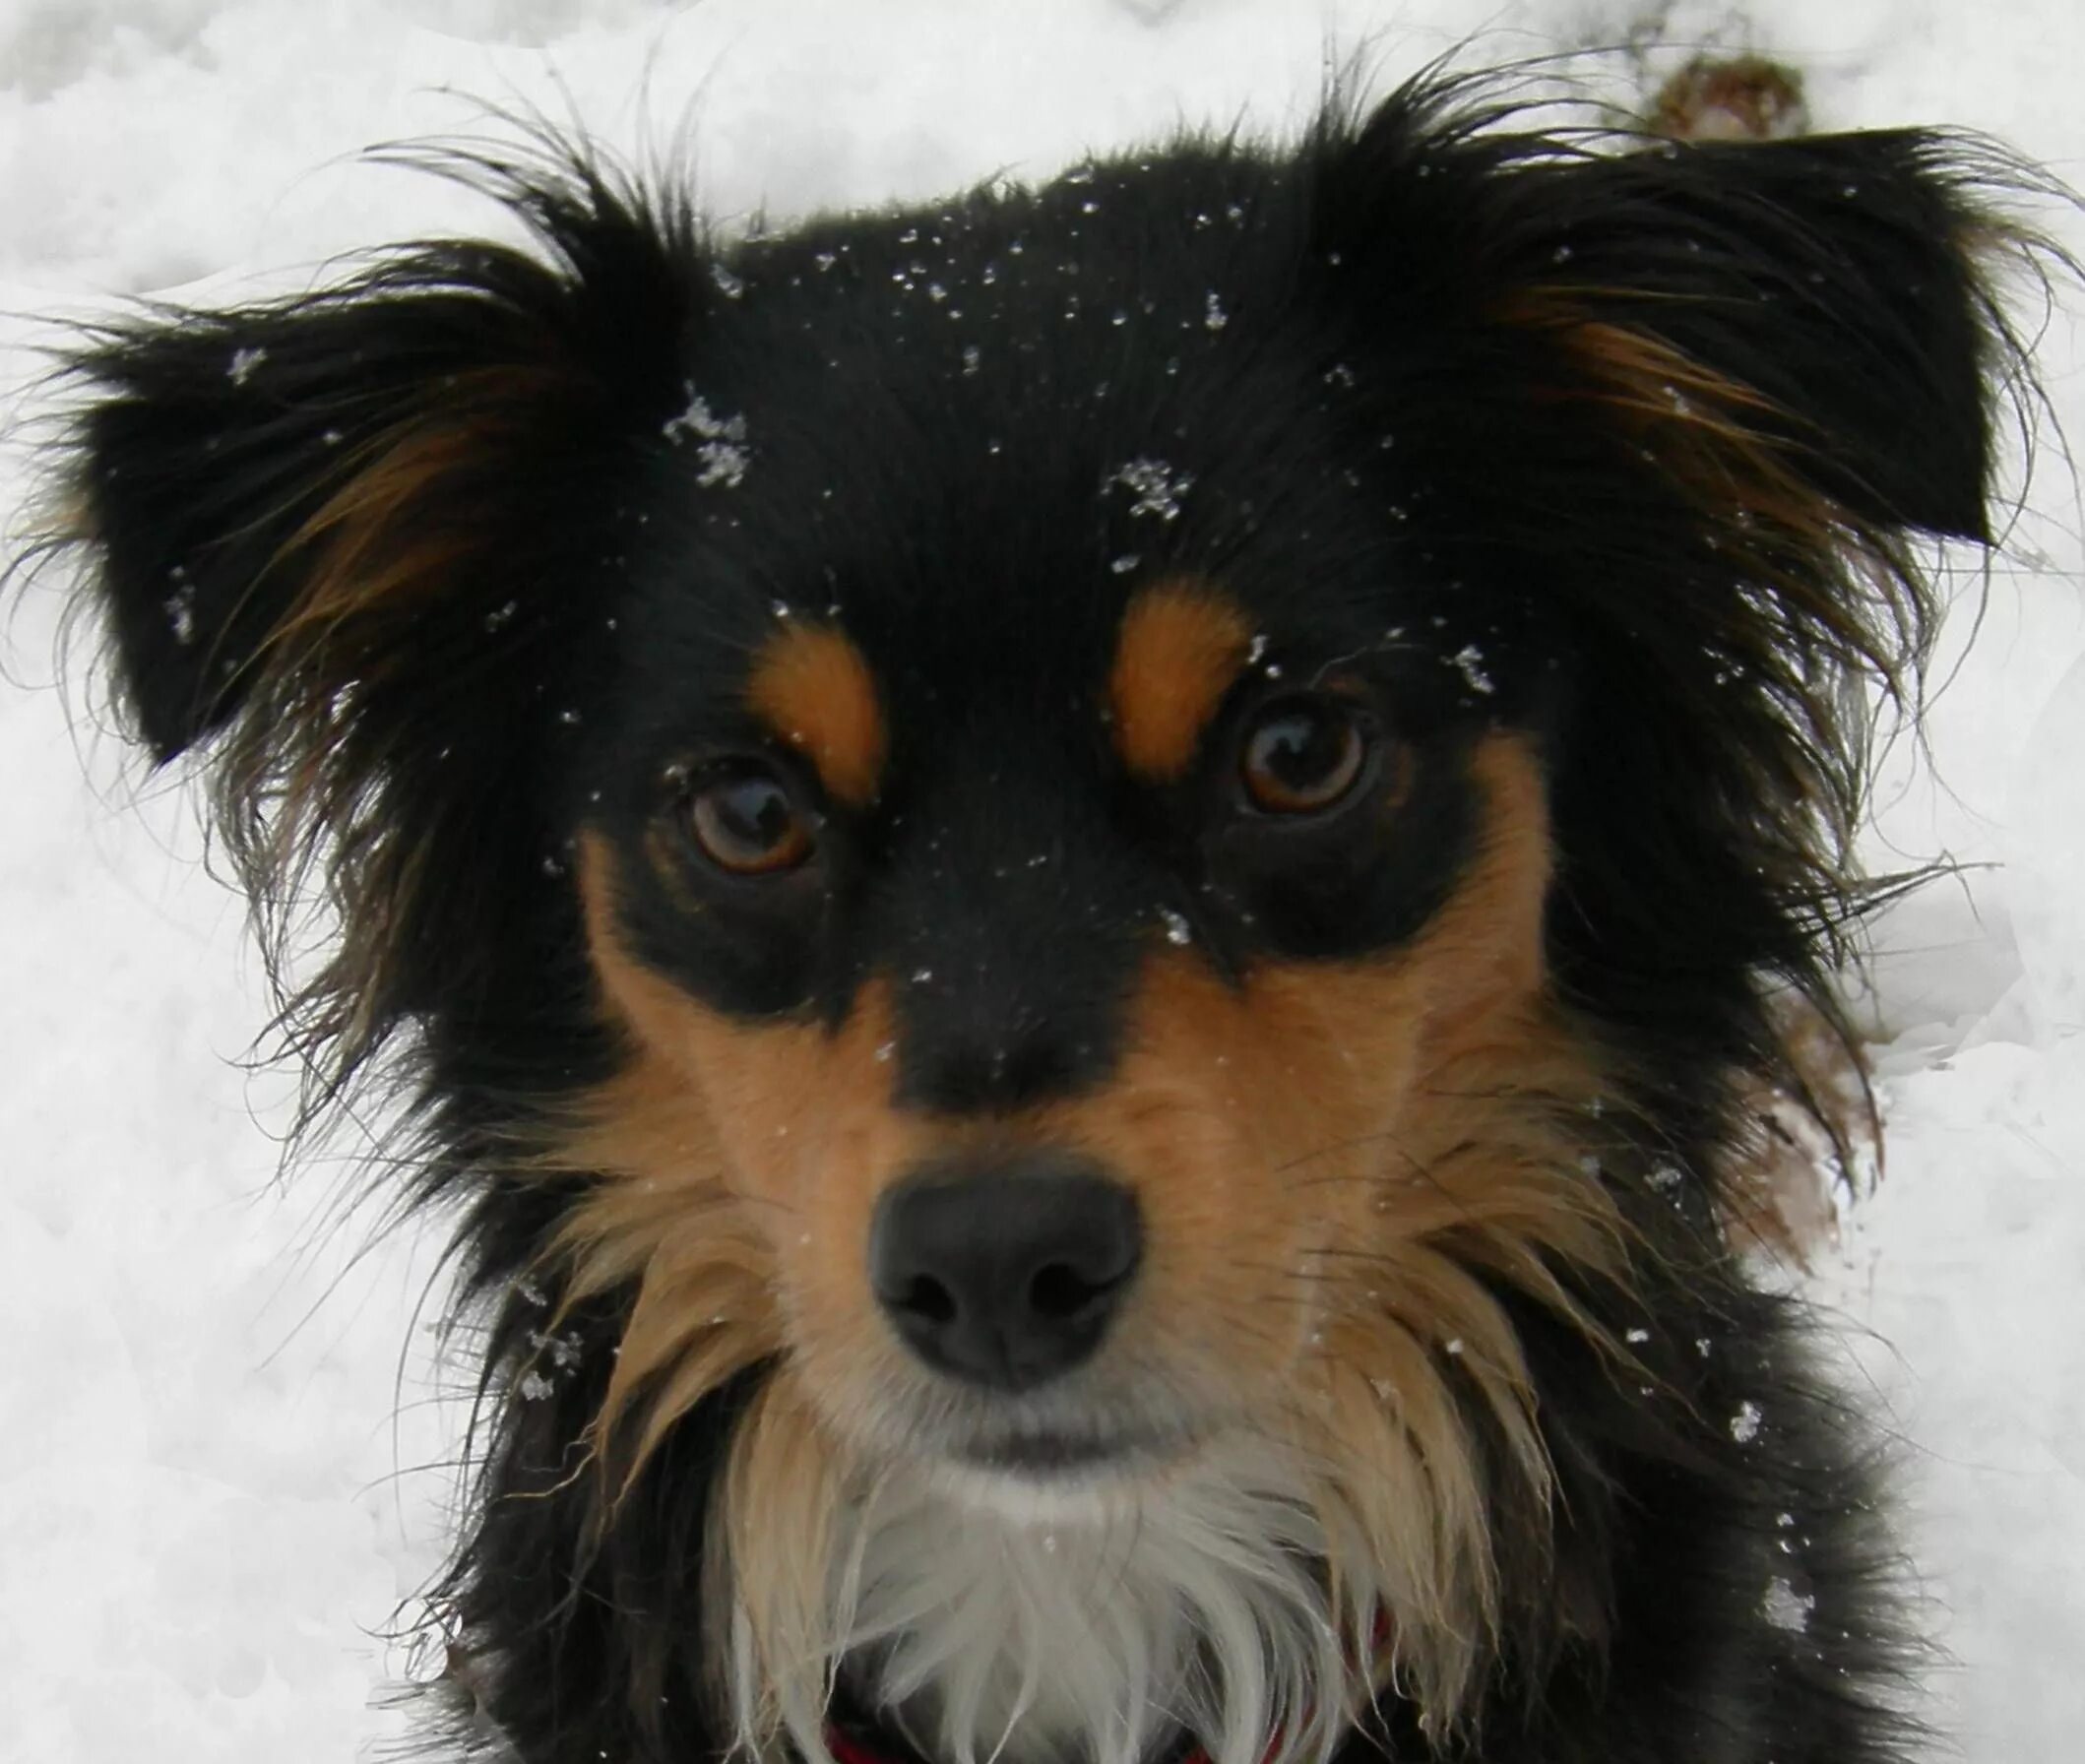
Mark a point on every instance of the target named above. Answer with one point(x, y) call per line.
point(220, 1476)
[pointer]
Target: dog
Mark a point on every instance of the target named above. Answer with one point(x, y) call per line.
point(1074, 893)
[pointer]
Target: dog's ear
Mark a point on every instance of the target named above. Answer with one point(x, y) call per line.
point(1822, 298)
point(359, 543)
point(1825, 294)
point(311, 489)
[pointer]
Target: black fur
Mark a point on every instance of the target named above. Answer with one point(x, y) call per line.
point(1371, 355)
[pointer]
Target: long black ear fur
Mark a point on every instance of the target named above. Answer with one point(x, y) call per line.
point(225, 461)
point(1837, 278)
point(1838, 281)
point(353, 541)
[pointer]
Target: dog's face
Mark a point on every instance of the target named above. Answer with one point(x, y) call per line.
point(1057, 882)
point(1103, 834)
point(1040, 863)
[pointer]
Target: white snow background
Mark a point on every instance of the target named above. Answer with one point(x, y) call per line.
point(215, 1412)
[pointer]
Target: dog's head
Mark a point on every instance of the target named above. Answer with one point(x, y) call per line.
point(1108, 838)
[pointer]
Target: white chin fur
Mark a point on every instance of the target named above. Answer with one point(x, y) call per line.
point(991, 1618)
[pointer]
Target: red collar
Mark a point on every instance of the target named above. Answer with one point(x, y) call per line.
point(846, 1750)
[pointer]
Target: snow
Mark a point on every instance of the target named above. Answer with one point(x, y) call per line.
point(723, 454)
point(1785, 1608)
point(1155, 486)
point(225, 1431)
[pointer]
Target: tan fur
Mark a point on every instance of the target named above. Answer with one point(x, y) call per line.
point(773, 1579)
point(814, 689)
point(1733, 453)
point(740, 1167)
point(1180, 646)
point(363, 568)
point(1816, 1135)
point(376, 551)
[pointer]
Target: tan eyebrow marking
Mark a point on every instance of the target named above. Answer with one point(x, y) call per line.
point(1181, 646)
point(814, 689)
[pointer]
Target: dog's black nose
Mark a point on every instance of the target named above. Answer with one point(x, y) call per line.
point(1006, 1276)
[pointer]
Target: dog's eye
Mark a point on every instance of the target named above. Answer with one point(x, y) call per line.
point(746, 821)
point(1302, 756)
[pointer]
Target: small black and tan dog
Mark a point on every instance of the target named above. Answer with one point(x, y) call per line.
point(1074, 890)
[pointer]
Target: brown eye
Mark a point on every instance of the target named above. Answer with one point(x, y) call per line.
point(1302, 756)
point(747, 823)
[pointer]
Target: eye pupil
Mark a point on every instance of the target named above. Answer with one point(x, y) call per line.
point(1302, 757)
point(1298, 751)
point(746, 823)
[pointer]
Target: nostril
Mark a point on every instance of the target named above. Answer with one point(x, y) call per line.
point(927, 1298)
point(1059, 1292)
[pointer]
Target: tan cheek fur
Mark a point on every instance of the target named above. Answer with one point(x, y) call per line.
point(740, 1166)
point(1319, 1111)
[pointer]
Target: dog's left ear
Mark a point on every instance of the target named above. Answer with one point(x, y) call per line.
point(1818, 300)
point(1825, 294)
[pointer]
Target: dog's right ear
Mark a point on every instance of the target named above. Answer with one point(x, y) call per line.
point(362, 545)
point(303, 486)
